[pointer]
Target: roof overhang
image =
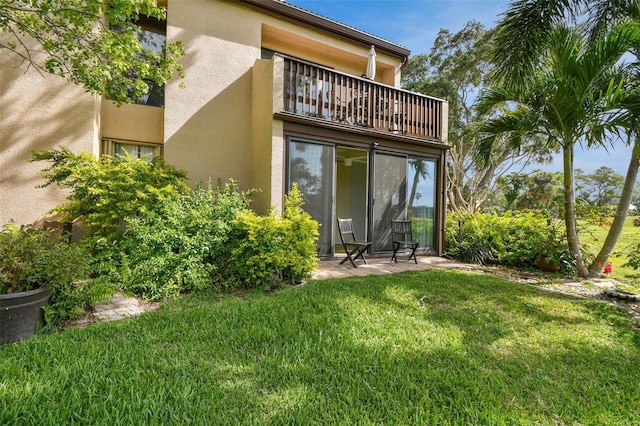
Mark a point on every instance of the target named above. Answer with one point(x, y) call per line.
point(297, 15)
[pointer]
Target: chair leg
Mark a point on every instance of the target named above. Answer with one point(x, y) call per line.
point(352, 259)
point(413, 254)
point(396, 247)
point(361, 255)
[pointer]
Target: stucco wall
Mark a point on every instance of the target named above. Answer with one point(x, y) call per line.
point(262, 119)
point(139, 123)
point(208, 123)
point(37, 111)
point(219, 125)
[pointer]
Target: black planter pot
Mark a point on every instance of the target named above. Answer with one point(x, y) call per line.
point(22, 314)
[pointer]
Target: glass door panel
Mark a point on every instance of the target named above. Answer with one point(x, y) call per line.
point(389, 196)
point(421, 200)
point(311, 166)
point(352, 171)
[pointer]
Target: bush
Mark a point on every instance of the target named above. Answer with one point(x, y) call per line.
point(210, 239)
point(33, 258)
point(268, 247)
point(106, 192)
point(181, 245)
point(514, 239)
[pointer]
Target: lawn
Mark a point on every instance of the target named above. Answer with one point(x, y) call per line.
point(429, 347)
point(593, 236)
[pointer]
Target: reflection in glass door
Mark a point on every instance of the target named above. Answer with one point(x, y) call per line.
point(311, 166)
point(389, 196)
point(421, 201)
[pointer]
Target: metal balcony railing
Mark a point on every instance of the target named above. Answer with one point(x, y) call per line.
point(315, 91)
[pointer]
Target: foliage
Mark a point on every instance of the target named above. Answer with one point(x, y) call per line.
point(107, 191)
point(417, 348)
point(597, 215)
point(269, 245)
point(576, 93)
point(32, 258)
point(92, 43)
point(181, 245)
point(524, 37)
point(535, 190)
point(456, 69)
point(209, 239)
point(601, 187)
point(514, 239)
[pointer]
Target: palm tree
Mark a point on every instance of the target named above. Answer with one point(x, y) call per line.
point(573, 93)
point(522, 36)
point(420, 172)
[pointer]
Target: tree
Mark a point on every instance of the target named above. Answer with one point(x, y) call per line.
point(601, 187)
point(523, 34)
point(574, 92)
point(93, 43)
point(456, 69)
point(542, 191)
point(420, 171)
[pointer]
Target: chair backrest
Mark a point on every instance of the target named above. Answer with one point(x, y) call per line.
point(345, 226)
point(401, 230)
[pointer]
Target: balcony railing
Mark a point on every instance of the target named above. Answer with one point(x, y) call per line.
point(315, 91)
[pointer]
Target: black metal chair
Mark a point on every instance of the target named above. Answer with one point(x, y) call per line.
point(402, 236)
point(352, 246)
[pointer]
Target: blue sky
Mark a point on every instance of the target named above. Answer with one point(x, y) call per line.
point(415, 24)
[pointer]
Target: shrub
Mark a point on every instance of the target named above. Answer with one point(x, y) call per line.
point(107, 191)
point(514, 239)
point(267, 247)
point(211, 239)
point(181, 245)
point(33, 258)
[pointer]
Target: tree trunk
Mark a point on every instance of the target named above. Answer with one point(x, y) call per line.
point(621, 214)
point(569, 210)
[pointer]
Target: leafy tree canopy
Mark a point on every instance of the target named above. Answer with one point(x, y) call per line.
point(457, 68)
point(601, 187)
point(93, 43)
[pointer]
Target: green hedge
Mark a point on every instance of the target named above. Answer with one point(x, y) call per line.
point(514, 239)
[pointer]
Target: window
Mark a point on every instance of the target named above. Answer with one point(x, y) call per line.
point(152, 34)
point(145, 151)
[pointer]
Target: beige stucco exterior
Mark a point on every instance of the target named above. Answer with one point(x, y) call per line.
point(218, 123)
point(37, 111)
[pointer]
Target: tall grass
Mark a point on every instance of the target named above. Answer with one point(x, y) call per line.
point(430, 347)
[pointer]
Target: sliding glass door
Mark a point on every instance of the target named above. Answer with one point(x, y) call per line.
point(421, 200)
point(389, 196)
point(311, 166)
point(371, 188)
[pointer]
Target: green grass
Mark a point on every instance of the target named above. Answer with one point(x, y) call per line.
point(430, 347)
point(593, 236)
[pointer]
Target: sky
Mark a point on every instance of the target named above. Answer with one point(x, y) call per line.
point(415, 24)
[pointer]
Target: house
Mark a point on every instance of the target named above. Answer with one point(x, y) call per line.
point(273, 95)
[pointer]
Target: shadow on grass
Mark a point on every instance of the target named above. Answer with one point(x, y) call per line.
point(431, 347)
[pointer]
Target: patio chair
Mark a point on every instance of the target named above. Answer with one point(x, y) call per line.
point(352, 246)
point(402, 236)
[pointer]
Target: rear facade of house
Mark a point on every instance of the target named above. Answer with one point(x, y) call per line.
point(273, 95)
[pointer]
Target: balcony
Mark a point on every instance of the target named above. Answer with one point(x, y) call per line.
point(314, 91)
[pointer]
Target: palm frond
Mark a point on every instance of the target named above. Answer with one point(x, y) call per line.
point(605, 14)
point(523, 34)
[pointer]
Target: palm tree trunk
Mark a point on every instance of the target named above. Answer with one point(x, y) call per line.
point(414, 190)
point(569, 210)
point(621, 213)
